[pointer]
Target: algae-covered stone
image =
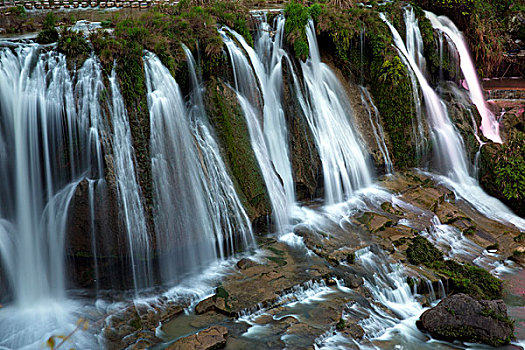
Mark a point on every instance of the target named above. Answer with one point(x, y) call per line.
point(233, 136)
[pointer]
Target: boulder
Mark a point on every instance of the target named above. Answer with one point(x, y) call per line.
point(208, 339)
point(461, 317)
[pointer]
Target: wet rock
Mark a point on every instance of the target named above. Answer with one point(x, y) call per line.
point(111, 253)
point(204, 306)
point(245, 264)
point(211, 338)
point(170, 311)
point(233, 136)
point(353, 330)
point(461, 317)
point(306, 164)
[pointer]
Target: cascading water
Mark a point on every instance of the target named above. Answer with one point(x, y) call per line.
point(376, 127)
point(489, 124)
point(387, 284)
point(329, 113)
point(50, 141)
point(267, 65)
point(230, 221)
point(41, 164)
point(130, 194)
point(198, 216)
point(414, 43)
point(245, 82)
point(450, 151)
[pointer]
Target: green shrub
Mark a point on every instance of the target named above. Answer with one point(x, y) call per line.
point(49, 34)
point(510, 169)
point(73, 44)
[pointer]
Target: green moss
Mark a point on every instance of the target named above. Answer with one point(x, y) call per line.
point(340, 325)
point(234, 15)
point(469, 231)
point(297, 16)
point(468, 333)
point(462, 278)
point(350, 258)
point(278, 260)
point(421, 252)
point(136, 323)
point(487, 312)
point(276, 251)
point(520, 238)
point(232, 131)
point(222, 293)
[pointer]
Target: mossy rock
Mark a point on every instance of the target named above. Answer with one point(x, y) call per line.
point(462, 278)
point(421, 252)
point(233, 136)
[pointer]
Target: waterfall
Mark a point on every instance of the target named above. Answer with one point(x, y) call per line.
point(41, 163)
point(230, 221)
point(49, 142)
point(449, 147)
point(330, 117)
point(198, 216)
point(415, 46)
point(376, 127)
point(129, 192)
point(414, 40)
point(489, 124)
point(246, 80)
point(387, 284)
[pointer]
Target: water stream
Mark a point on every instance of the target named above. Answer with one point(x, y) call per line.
point(450, 151)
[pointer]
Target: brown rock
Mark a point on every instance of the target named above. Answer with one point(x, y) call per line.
point(204, 306)
point(208, 339)
point(244, 264)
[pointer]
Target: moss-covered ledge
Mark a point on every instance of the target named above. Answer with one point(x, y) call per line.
point(461, 278)
point(230, 126)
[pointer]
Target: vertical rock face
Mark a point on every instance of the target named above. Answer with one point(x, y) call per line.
point(229, 123)
point(95, 240)
point(461, 317)
point(306, 163)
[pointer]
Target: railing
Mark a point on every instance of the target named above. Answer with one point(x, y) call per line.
point(68, 4)
point(506, 94)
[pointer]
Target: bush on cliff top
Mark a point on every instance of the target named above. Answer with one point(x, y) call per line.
point(48, 34)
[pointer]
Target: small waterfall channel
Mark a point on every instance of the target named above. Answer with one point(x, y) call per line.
point(450, 151)
point(198, 216)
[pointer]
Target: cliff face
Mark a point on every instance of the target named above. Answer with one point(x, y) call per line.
point(357, 45)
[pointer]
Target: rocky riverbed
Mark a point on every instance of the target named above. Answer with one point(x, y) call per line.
point(326, 281)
